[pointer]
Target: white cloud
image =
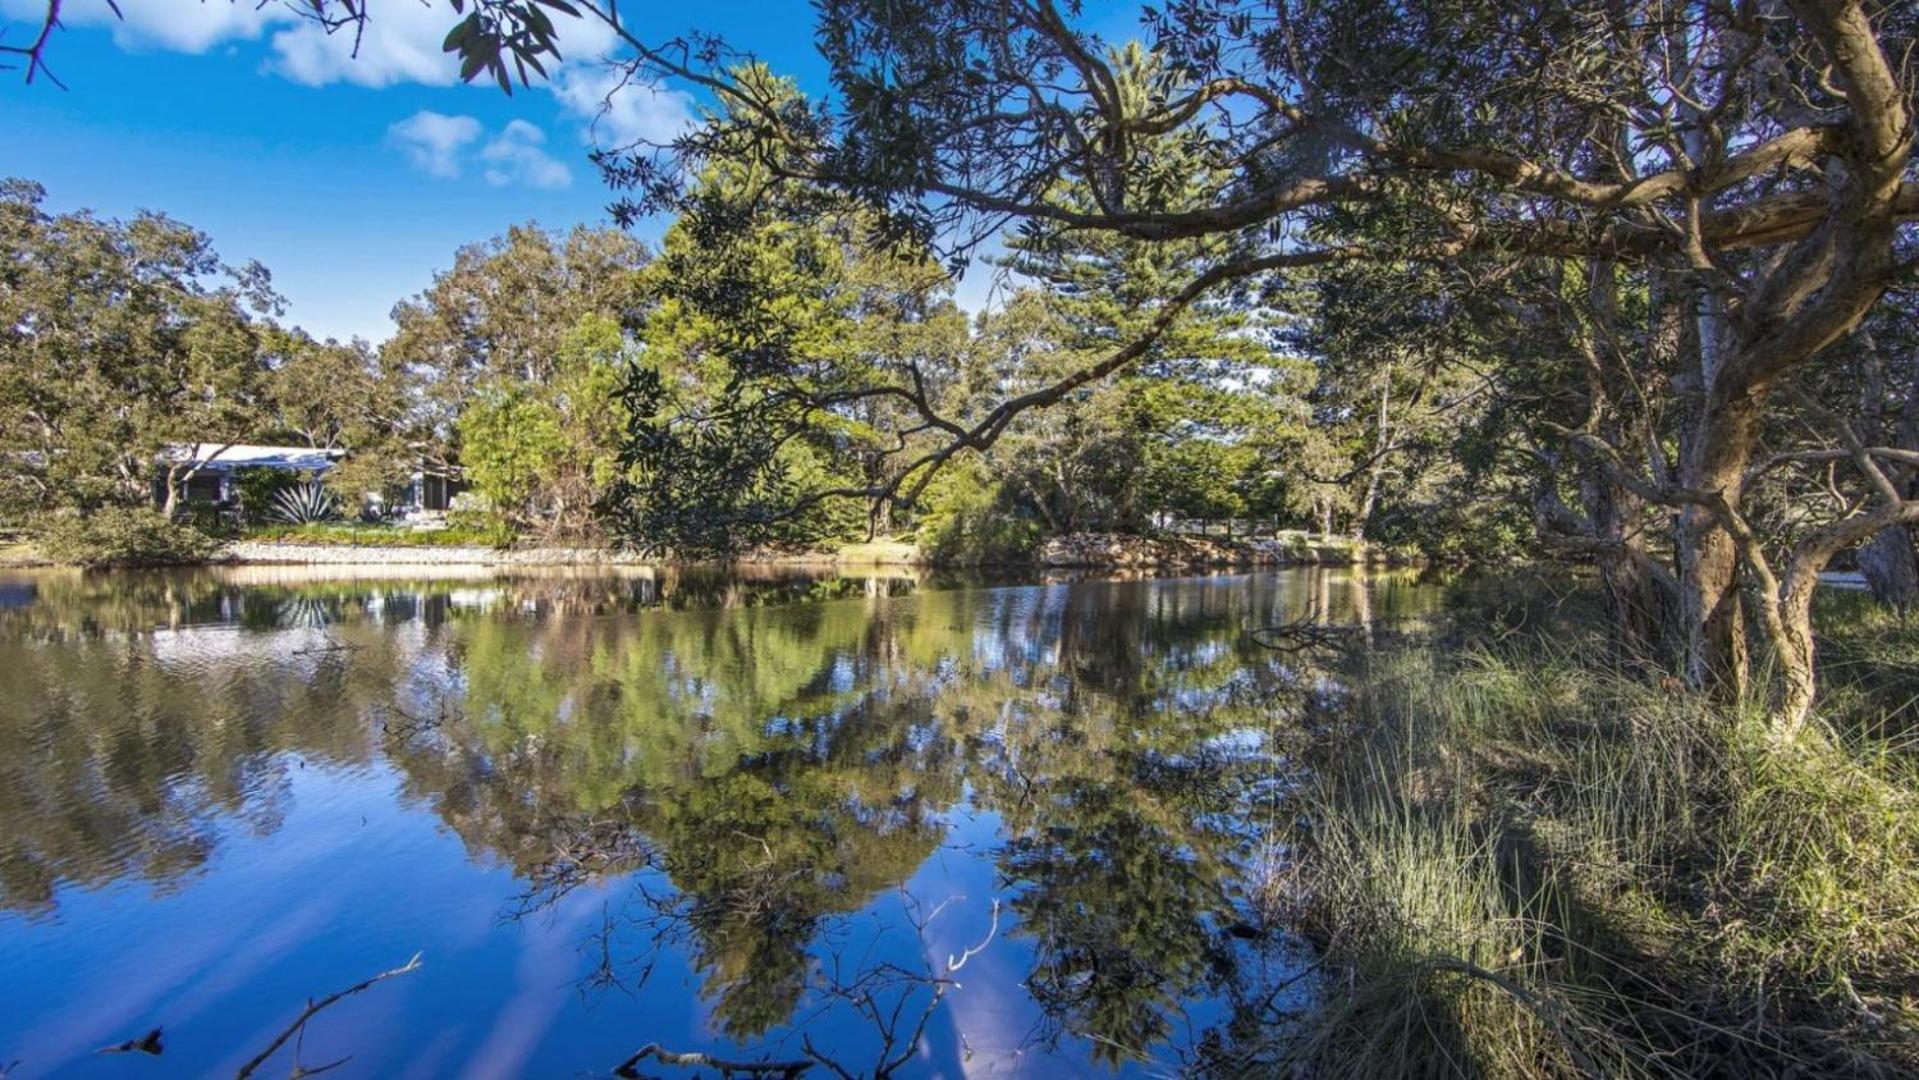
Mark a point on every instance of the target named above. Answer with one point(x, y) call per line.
point(434, 141)
point(441, 145)
point(619, 111)
point(401, 45)
point(163, 24)
point(516, 156)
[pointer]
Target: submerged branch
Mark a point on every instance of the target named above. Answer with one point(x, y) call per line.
point(313, 1008)
point(630, 1067)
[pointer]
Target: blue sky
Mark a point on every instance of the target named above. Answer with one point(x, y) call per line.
point(351, 178)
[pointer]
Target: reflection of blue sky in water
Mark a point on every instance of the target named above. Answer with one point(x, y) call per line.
point(202, 823)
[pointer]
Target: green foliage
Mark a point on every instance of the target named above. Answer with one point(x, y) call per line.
point(508, 316)
point(1521, 856)
point(117, 340)
point(545, 454)
point(1186, 428)
point(968, 519)
point(346, 396)
point(750, 404)
point(509, 440)
point(259, 488)
point(1457, 521)
point(1202, 478)
point(482, 523)
point(121, 536)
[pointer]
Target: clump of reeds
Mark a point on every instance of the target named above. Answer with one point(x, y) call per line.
point(1524, 861)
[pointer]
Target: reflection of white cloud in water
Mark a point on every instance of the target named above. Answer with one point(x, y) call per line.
point(139, 990)
point(218, 939)
point(432, 1058)
point(547, 950)
point(994, 1016)
point(196, 645)
point(990, 1013)
point(257, 949)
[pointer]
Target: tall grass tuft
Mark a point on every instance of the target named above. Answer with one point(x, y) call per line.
point(1524, 862)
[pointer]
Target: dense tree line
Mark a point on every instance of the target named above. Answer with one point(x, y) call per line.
point(1637, 271)
point(548, 371)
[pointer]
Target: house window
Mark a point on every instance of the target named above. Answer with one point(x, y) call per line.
point(203, 487)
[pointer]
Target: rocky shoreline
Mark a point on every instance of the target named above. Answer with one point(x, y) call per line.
point(257, 552)
point(1186, 552)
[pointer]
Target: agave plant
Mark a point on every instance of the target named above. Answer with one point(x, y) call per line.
point(303, 504)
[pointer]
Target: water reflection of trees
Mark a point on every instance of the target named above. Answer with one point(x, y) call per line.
point(760, 757)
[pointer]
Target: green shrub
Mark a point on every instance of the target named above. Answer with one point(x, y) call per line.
point(967, 521)
point(258, 487)
point(487, 527)
point(122, 536)
point(204, 518)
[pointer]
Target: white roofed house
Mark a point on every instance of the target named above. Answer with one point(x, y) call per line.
point(208, 474)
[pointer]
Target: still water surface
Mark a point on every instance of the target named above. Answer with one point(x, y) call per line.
point(959, 828)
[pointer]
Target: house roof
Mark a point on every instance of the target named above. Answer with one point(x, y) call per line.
point(219, 457)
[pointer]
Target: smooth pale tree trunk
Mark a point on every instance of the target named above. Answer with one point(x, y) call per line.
point(1714, 455)
point(1890, 568)
point(1888, 560)
point(176, 488)
point(1382, 432)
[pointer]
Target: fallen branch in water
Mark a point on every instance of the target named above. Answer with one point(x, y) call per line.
point(330, 647)
point(864, 995)
point(413, 725)
point(967, 952)
point(630, 1067)
point(298, 1027)
point(1304, 634)
point(145, 1044)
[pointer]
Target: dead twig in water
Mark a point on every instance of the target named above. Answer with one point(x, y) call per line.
point(954, 963)
point(145, 1044)
point(298, 1027)
point(865, 992)
point(1305, 634)
point(328, 648)
point(630, 1067)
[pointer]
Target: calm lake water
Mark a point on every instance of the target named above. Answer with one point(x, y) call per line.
point(960, 828)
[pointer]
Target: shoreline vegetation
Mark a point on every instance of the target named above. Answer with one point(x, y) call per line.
point(1520, 857)
point(354, 546)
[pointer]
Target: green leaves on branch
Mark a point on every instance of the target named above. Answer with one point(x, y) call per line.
point(495, 35)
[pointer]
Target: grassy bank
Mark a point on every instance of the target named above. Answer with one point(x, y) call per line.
point(1522, 862)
